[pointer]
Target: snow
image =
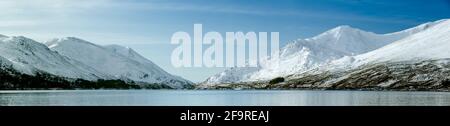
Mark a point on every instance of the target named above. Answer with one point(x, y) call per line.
point(29, 57)
point(76, 58)
point(4, 62)
point(327, 48)
point(387, 84)
point(433, 43)
point(114, 60)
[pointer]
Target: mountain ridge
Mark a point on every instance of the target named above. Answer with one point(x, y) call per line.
point(418, 62)
point(302, 55)
point(29, 58)
point(126, 63)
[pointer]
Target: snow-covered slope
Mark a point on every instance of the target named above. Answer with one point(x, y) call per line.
point(417, 62)
point(433, 43)
point(120, 62)
point(29, 57)
point(304, 54)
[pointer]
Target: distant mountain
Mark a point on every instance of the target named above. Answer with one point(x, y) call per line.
point(114, 60)
point(433, 43)
point(28, 56)
point(69, 61)
point(420, 61)
point(304, 54)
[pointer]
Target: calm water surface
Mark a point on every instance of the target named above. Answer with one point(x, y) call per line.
point(219, 97)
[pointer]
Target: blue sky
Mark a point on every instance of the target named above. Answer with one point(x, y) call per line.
point(147, 25)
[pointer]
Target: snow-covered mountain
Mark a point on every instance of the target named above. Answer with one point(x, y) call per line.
point(116, 61)
point(29, 57)
point(304, 54)
point(430, 44)
point(433, 43)
point(420, 61)
point(74, 58)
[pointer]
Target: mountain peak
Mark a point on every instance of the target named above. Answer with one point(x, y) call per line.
point(345, 28)
point(118, 61)
point(68, 40)
point(23, 41)
point(72, 39)
point(342, 31)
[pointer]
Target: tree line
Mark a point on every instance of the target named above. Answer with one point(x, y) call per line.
point(10, 79)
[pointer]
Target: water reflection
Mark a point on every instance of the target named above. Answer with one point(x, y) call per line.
point(223, 97)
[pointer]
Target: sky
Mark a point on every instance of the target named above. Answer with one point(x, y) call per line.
point(147, 25)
